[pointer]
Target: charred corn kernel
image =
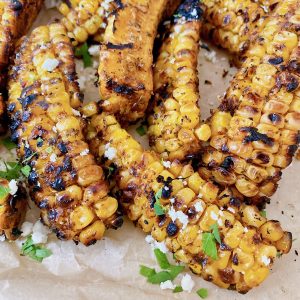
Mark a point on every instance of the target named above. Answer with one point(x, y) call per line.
point(187, 218)
point(176, 68)
point(254, 114)
point(66, 182)
point(106, 207)
point(272, 231)
point(209, 192)
point(256, 276)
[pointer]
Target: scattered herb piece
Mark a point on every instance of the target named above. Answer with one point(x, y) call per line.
point(83, 52)
point(175, 271)
point(146, 271)
point(4, 191)
point(26, 170)
point(209, 245)
point(202, 293)
point(278, 254)
point(8, 144)
point(12, 171)
point(35, 252)
point(178, 289)
point(158, 209)
point(215, 232)
point(159, 277)
point(162, 259)
point(141, 130)
point(30, 157)
point(49, 150)
point(263, 213)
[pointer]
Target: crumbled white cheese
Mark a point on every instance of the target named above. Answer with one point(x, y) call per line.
point(184, 183)
point(231, 210)
point(76, 112)
point(214, 216)
point(26, 228)
point(221, 213)
point(166, 164)
point(149, 239)
point(84, 152)
point(110, 152)
point(266, 260)
point(105, 103)
point(172, 200)
point(13, 186)
point(39, 238)
point(39, 233)
point(220, 222)
point(2, 238)
point(187, 283)
point(50, 64)
point(166, 188)
point(198, 207)
point(194, 12)
point(94, 50)
point(246, 229)
point(200, 195)
point(172, 60)
point(53, 157)
point(54, 129)
point(210, 56)
point(179, 215)
point(167, 285)
point(161, 246)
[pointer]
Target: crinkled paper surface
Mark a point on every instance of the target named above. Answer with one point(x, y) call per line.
point(110, 269)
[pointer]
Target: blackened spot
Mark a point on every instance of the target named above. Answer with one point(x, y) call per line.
point(43, 104)
point(235, 259)
point(191, 213)
point(226, 19)
point(166, 192)
point(119, 46)
point(294, 66)
point(62, 148)
point(40, 143)
point(292, 85)
point(274, 118)
point(64, 200)
point(27, 100)
point(58, 184)
point(16, 232)
point(256, 238)
point(236, 202)
point(228, 224)
point(122, 89)
point(256, 136)
point(172, 229)
point(275, 61)
point(119, 4)
point(117, 222)
point(16, 5)
point(161, 220)
point(12, 203)
point(26, 116)
point(11, 107)
point(33, 178)
point(60, 234)
point(228, 163)
point(152, 199)
point(67, 164)
point(160, 179)
point(227, 275)
point(189, 10)
point(292, 150)
point(43, 204)
point(264, 158)
point(224, 247)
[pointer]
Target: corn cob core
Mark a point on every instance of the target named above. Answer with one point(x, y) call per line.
point(256, 128)
point(65, 182)
point(125, 70)
point(12, 211)
point(175, 128)
point(231, 24)
point(85, 18)
point(192, 205)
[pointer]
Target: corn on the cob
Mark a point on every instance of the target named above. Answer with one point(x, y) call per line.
point(256, 128)
point(15, 19)
point(174, 125)
point(12, 210)
point(190, 206)
point(125, 70)
point(65, 182)
point(230, 24)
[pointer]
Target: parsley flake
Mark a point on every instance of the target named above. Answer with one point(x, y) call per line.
point(158, 209)
point(141, 130)
point(4, 191)
point(83, 52)
point(26, 170)
point(202, 293)
point(36, 252)
point(215, 232)
point(209, 245)
point(263, 213)
point(161, 259)
point(8, 144)
point(178, 289)
point(146, 271)
point(159, 277)
point(12, 171)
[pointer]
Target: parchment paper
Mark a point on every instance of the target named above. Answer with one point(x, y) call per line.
point(110, 269)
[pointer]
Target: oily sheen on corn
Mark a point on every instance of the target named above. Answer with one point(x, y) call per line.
point(255, 130)
point(249, 242)
point(65, 182)
point(174, 125)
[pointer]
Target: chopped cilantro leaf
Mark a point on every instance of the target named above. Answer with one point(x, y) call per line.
point(159, 277)
point(175, 271)
point(158, 195)
point(4, 191)
point(178, 289)
point(146, 271)
point(83, 52)
point(278, 254)
point(263, 213)
point(8, 144)
point(36, 252)
point(158, 209)
point(49, 150)
point(209, 245)
point(141, 130)
point(26, 170)
point(30, 157)
point(161, 259)
point(215, 232)
point(202, 293)
point(12, 171)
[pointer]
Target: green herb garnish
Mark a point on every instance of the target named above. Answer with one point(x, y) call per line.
point(202, 293)
point(83, 52)
point(12, 171)
point(158, 209)
point(178, 289)
point(263, 213)
point(141, 130)
point(161, 259)
point(175, 271)
point(209, 245)
point(215, 232)
point(26, 170)
point(49, 150)
point(36, 252)
point(159, 277)
point(4, 191)
point(8, 144)
point(146, 271)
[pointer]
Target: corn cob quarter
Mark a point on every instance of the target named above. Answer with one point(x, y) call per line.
point(125, 70)
point(175, 129)
point(179, 208)
point(255, 131)
point(65, 182)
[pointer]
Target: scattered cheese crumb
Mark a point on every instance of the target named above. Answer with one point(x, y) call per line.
point(110, 152)
point(39, 238)
point(266, 260)
point(182, 217)
point(156, 245)
point(50, 64)
point(166, 164)
point(53, 157)
point(2, 238)
point(210, 56)
point(187, 283)
point(167, 285)
point(198, 207)
point(246, 229)
point(26, 228)
point(220, 222)
point(94, 50)
point(54, 129)
point(13, 186)
point(149, 239)
point(231, 210)
point(84, 152)
point(39, 233)
point(172, 200)
point(76, 112)
point(214, 216)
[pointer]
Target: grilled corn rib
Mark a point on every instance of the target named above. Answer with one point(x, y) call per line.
point(255, 131)
point(65, 182)
point(12, 210)
point(230, 23)
point(190, 206)
point(174, 126)
point(15, 19)
point(125, 70)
